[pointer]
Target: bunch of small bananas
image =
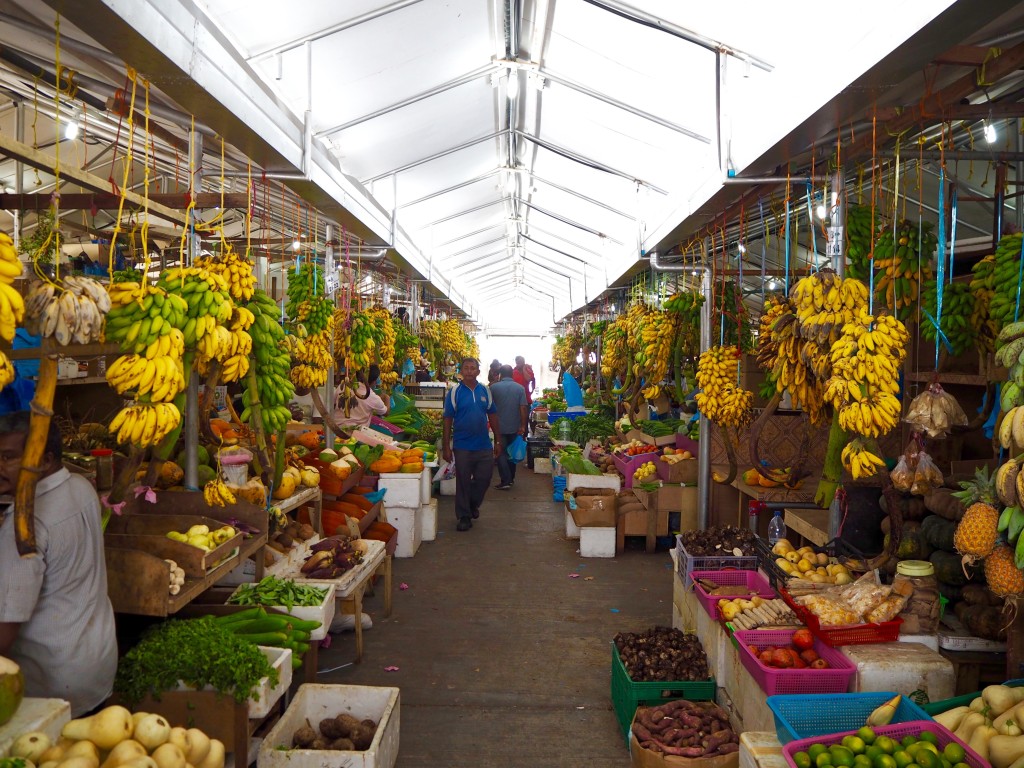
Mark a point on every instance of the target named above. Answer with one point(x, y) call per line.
point(767, 342)
point(799, 367)
point(903, 259)
point(859, 238)
point(1010, 354)
point(385, 343)
point(217, 494)
point(69, 311)
point(312, 357)
point(271, 362)
point(205, 293)
point(866, 362)
point(12, 307)
point(157, 374)
point(145, 424)
point(860, 460)
point(652, 334)
point(230, 345)
point(957, 312)
point(1006, 271)
point(614, 351)
point(306, 302)
point(720, 399)
point(983, 282)
point(565, 350)
point(824, 303)
point(452, 339)
point(354, 340)
point(430, 330)
point(235, 270)
point(141, 314)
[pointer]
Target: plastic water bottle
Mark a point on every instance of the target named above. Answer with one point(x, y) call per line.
point(776, 528)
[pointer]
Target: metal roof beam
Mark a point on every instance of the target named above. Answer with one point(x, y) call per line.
point(435, 156)
point(579, 195)
point(570, 222)
point(584, 160)
point(472, 260)
point(470, 234)
point(463, 212)
point(467, 250)
point(568, 242)
point(446, 190)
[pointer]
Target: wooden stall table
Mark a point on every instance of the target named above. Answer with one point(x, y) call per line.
point(311, 496)
point(974, 670)
point(812, 524)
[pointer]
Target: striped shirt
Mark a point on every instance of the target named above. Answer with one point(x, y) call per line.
point(66, 645)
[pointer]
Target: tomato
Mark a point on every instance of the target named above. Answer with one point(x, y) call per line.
point(803, 639)
point(809, 655)
point(819, 664)
point(782, 659)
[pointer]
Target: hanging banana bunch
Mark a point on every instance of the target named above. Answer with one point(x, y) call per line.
point(983, 287)
point(311, 357)
point(386, 337)
point(685, 307)
point(452, 339)
point(614, 350)
point(903, 261)
point(720, 399)
point(305, 302)
point(269, 389)
point(236, 271)
point(12, 307)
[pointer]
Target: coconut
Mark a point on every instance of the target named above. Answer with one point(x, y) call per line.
point(12, 689)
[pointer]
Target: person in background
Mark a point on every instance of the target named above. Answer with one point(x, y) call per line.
point(513, 420)
point(366, 404)
point(468, 410)
point(56, 621)
point(523, 375)
point(493, 372)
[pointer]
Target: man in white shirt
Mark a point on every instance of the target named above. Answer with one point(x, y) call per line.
point(365, 405)
point(56, 620)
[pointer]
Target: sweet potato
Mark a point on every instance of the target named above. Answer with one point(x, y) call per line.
point(727, 748)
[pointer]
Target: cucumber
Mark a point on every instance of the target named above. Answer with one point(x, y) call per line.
point(275, 639)
point(303, 625)
point(299, 635)
point(239, 616)
point(265, 624)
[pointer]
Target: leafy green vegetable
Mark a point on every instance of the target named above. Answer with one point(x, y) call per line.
point(197, 652)
point(591, 426)
point(271, 590)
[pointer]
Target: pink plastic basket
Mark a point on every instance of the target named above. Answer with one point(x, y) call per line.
point(628, 466)
point(752, 580)
point(897, 732)
point(835, 679)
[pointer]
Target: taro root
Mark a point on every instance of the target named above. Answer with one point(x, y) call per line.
point(361, 736)
point(719, 541)
point(304, 736)
point(662, 654)
point(343, 745)
point(370, 724)
point(319, 743)
point(331, 729)
point(346, 723)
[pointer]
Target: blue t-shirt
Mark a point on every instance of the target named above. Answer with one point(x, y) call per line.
point(469, 425)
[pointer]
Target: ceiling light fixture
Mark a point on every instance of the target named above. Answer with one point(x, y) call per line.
point(822, 211)
point(773, 284)
point(741, 248)
point(71, 130)
point(296, 245)
point(990, 132)
point(512, 88)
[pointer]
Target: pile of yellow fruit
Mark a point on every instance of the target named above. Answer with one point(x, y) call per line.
point(805, 563)
point(644, 471)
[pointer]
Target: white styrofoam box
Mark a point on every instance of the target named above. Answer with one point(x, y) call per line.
point(265, 696)
point(448, 487)
point(572, 482)
point(905, 668)
point(242, 574)
point(761, 749)
point(403, 488)
point(716, 642)
point(929, 641)
point(572, 531)
point(324, 613)
point(315, 702)
point(407, 521)
point(46, 715)
point(542, 466)
point(597, 542)
point(426, 485)
point(428, 520)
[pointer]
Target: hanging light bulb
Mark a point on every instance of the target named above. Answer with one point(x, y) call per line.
point(296, 245)
point(71, 130)
point(990, 132)
point(512, 89)
point(773, 284)
point(822, 211)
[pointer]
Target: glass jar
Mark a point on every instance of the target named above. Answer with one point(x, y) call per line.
point(921, 614)
point(104, 468)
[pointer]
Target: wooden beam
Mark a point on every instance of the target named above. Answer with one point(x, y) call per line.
point(36, 159)
point(106, 201)
point(119, 107)
point(995, 111)
point(964, 56)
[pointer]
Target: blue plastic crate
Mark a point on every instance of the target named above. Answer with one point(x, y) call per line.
point(554, 416)
point(807, 716)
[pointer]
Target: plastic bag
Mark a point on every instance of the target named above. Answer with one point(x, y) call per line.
point(935, 412)
point(902, 475)
point(517, 450)
point(445, 471)
point(927, 476)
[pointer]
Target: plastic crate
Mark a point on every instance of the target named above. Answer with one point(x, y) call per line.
point(805, 717)
point(627, 695)
point(836, 548)
point(836, 679)
point(628, 467)
point(752, 580)
point(938, 707)
point(687, 563)
point(554, 416)
point(853, 634)
point(897, 732)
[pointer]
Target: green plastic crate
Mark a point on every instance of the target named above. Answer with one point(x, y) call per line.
point(938, 707)
point(628, 695)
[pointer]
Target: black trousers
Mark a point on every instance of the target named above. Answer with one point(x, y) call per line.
point(506, 468)
point(473, 472)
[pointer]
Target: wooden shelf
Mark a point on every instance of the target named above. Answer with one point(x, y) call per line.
point(82, 380)
point(970, 379)
point(812, 524)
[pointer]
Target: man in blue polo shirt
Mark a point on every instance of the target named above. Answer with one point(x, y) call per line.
point(468, 409)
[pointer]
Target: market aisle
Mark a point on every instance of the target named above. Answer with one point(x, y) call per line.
point(504, 659)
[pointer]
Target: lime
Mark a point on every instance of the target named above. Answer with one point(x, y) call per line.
point(902, 759)
point(928, 736)
point(802, 760)
point(927, 759)
point(887, 744)
point(961, 764)
point(927, 746)
point(862, 761)
point(908, 740)
point(841, 755)
point(823, 759)
point(855, 744)
point(884, 761)
point(873, 751)
point(953, 752)
point(945, 763)
point(816, 749)
point(866, 734)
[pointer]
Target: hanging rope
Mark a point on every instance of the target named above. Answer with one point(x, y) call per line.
point(941, 256)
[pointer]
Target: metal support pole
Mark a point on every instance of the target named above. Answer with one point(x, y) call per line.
point(19, 168)
point(704, 451)
point(838, 227)
point(329, 384)
point(191, 428)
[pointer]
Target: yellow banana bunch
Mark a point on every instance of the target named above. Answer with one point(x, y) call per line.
point(860, 461)
point(982, 287)
point(354, 340)
point(141, 315)
point(12, 307)
point(217, 494)
point(385, 343)
point(613, 349)
point(430, 330)
point(451, 336)
point(864, 386)
point(6, 371)
point(720, 399)
point(309, 376)
point(824, 303)
point(651, 333)
point(160, 377)
point(236, 271)
point(144, 424)
point(311, 357)
point(472, 348)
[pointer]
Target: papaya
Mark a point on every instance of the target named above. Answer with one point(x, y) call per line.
point(310, 440)
point(750, 477)
point(359, 500)
point(410, 469)
point(170, 474)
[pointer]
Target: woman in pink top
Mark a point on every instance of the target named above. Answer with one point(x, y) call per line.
point(523, 374)
point(365, 405)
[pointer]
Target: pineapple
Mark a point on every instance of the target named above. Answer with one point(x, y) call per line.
point(977, 531)
point(1003, 576)
point(982, 488)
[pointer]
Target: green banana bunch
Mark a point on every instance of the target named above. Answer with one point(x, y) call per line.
point(306, 302)
point(1005, 277)
point(859, 237)
point(986, 328)
point(957, 311)
point(272, 364)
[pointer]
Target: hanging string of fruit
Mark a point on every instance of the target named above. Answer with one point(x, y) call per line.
point(268, 387)
point(386, 339)
point(903, 262)
point(864, 388)
point(615, 357)
point(958, 309)
point(407, 345)
point(354, 348)
point(472, 349)
point(12, 306)
point(430, 340)
point(982, 287)
point(1005, 279)
point(728, 313)
point(304, 302)
point(859, 239)
point(722, 401)
point(685, 307)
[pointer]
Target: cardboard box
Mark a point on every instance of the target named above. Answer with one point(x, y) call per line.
point(645, 758)
point(636, 434)
point(684, 471)
point(635, 523)
point(594, 511)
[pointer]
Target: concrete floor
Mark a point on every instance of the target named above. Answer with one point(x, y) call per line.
point(504, 659)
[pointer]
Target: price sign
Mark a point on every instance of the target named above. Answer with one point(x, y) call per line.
point(331, 283)
point(834, 248)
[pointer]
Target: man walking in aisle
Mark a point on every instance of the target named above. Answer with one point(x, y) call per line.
point(513, 420)
point(468, 409)
point(523, 375)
